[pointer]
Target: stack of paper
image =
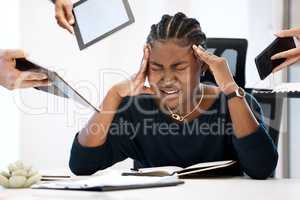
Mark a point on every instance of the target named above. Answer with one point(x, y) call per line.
point(110, 182)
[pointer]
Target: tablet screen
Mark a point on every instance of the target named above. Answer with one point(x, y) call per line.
point(97, 19)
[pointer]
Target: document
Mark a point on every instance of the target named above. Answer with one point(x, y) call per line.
point(108, 182)
point(291, 90)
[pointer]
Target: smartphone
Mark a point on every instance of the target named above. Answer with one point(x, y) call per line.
point(263, 61)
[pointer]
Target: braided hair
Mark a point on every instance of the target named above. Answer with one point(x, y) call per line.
point(186, 31)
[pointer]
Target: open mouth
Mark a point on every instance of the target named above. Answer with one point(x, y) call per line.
point(169, 91)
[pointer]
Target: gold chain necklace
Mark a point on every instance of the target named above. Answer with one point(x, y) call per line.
point(180, 117)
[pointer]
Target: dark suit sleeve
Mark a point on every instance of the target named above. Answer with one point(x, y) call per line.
point(256, 152)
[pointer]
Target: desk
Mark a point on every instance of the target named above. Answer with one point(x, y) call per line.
point(205, 189)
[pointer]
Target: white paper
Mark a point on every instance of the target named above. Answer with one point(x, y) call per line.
point(210, 164)
point(105, 180)
point(287, 87)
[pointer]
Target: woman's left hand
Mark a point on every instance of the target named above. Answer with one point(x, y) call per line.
point(219, 68)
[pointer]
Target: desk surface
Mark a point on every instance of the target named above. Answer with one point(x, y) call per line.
point(225, 188)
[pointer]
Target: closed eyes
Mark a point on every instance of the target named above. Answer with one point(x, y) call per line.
point(177, 68)
point(180, 67)
point(156, 68)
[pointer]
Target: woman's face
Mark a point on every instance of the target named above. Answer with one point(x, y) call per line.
point(173, 73)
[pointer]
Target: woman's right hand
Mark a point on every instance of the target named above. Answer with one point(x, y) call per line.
point(135, 85)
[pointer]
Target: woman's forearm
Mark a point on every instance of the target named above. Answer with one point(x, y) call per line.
point(95, 132)
point(243, 120)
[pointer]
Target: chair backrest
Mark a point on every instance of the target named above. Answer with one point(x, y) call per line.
point(235, 51)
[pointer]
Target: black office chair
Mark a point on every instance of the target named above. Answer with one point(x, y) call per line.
point(234, 50)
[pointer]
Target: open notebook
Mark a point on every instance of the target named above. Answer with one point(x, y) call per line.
point(109, 182)
point(201, 169)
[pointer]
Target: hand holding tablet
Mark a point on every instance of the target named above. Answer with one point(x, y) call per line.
point(58, 87)
point(97, 19)
point(93, 20)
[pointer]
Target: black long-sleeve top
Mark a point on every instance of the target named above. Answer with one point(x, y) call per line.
point(141, 131)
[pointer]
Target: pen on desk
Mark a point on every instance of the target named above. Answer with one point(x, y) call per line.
point(134, 169)
point(134, 172)
point(54, 178)
point(46, 176)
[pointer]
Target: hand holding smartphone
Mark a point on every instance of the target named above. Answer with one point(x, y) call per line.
point(263, 61)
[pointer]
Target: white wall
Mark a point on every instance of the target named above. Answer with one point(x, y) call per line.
point(294, 104)
point(46, 135)
point(9, 117)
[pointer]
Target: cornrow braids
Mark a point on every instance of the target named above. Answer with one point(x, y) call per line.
point(176, 23)
point(187, 26)
point(186, 30)
point(163, 26)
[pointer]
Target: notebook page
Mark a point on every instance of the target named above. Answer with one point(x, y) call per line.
point(166, 169)
point(210, 164)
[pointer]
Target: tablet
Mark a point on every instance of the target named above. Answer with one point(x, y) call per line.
point(58, 87)
point(97, 19)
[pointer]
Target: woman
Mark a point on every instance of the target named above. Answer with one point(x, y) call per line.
point(178, 121)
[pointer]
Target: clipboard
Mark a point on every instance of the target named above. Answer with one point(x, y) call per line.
point(58, 87)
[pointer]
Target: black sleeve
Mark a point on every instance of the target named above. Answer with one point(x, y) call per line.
point(119, 145)
point(256, 152)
